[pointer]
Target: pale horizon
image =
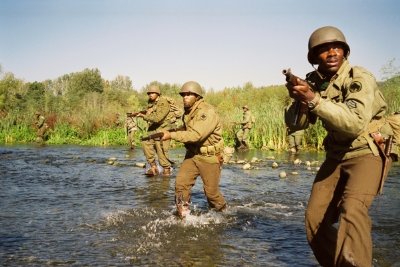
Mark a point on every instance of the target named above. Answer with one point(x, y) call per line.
point(224, 43)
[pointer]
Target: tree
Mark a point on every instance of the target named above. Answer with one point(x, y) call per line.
point(11, 93)
point(123, 83)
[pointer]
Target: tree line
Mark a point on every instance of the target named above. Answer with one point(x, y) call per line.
point(82, 108)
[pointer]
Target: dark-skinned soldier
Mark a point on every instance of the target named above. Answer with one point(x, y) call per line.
point(347, 101)
point(159, 117)
point(202, 135)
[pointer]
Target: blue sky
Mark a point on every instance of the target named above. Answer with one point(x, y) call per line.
point(219, 43)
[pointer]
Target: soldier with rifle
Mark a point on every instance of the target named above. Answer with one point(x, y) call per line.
point(41, 127)
point(348, 102)
point(246, 124)
point(202, 135)
point(159, 117)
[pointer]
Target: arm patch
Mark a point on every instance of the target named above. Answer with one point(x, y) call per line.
point(355, 87)
point(351, 104)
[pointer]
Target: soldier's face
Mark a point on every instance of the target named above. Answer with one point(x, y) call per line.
point(152, 96)
point(188, 99)
point(330, 57)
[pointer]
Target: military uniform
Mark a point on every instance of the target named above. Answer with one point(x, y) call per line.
point(159, 118)
point(131, 128)
point(243, 134)
point(349, 179)
point(349, 104)
point(41, 127)
point(202, 136)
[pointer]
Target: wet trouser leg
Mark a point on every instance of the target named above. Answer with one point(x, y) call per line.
point(162, 149)
point(210, 174)
point(343, 192)
point(298, 139)
point(149, 151)
point(246, 135)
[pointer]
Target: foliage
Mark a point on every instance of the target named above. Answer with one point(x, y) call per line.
point(82, 108)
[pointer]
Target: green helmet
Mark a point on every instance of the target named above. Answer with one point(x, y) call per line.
point(154, 89)
point(192, 87)
point(324, 35)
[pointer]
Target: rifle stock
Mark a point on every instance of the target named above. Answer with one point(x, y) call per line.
point(156, 136)
point(134, 114)
point(299, 106)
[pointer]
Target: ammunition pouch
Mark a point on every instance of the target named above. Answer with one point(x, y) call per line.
point(216, 149)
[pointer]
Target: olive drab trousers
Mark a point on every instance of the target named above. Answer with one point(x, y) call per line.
point(161, 148)
point(243, 135)
point(342, 193)
point(210, 174)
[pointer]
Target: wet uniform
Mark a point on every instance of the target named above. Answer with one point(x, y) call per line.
point(350, 177)
point(41, 127)
point(131, 128)
point(202, 136)
point(243, 134)
point(159, 118)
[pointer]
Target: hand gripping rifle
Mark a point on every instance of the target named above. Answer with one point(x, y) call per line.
point(156, 136)
point(299, 106)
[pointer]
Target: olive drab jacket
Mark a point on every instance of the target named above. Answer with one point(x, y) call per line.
point(201, 132)
point(160, 116)
point(349, 102)
point(247, 122)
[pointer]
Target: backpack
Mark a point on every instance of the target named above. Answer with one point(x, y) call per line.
point(394, 123)
point(388, 125)
point(173, 108)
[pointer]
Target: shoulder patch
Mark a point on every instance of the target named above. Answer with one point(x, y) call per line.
point(351, 104)
point(355, 87)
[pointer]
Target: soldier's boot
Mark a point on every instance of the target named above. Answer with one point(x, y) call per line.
point(153, 171)
point(166, 171)
point(182, 207)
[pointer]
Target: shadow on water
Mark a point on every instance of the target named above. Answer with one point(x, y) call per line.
point(73, 206)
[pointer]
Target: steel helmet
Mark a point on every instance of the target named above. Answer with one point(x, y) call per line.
point(154, 89)
point(192, 87)
point(327, 34)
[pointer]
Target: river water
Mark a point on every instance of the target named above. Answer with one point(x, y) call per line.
point(73, 206)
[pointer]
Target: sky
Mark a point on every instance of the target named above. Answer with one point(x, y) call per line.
point(218, 43)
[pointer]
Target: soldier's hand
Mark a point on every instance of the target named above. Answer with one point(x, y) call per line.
point(301, 91)
point(166, 136)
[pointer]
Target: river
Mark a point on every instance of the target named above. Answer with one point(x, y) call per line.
point(92, 206)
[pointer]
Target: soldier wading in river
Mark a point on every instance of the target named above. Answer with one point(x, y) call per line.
point(202, 135)
point(348, 102)
point(159, 117)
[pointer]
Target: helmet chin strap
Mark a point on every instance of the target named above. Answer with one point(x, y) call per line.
point(321, 76)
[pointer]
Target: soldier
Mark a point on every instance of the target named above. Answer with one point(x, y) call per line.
point(131, 128)
point(202, 135)
point(294, 136)
point(41, 127)
point(159, 117)
point(347, 100)
point(295, 140)
point(247, 123)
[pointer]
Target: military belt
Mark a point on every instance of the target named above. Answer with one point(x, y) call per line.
point(212, 150)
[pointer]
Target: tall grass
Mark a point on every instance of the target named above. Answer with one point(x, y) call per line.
point(94, 122)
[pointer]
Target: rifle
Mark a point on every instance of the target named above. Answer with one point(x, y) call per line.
point(299, 106)
point(156, 136)
point(134, 114)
